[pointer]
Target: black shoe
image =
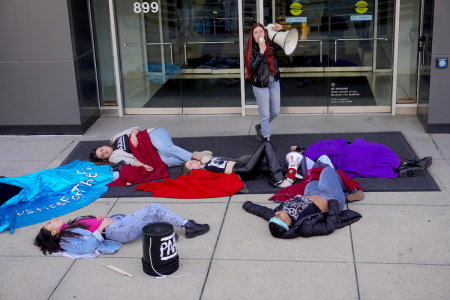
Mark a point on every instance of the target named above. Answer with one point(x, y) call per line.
point(176, 237)
point(407, 171)
point(423, 163)
point(193, 229)
point(118, 166)
point(259, 135)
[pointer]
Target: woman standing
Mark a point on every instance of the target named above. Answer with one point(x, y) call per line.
point(262, 69)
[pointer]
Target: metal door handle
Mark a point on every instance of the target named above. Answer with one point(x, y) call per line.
point(320, 46)
point(363, 39)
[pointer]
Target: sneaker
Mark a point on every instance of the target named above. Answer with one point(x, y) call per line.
point(194, 229)
point(425, 162)
point(203, 153)
point(259, 135)
point(283, 184)
point(406, 171)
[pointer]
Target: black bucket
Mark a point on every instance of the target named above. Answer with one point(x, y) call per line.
point(160, 256)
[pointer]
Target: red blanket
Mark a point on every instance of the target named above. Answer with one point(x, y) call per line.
point(199, 184)
point(146, 153)
point(313, 174)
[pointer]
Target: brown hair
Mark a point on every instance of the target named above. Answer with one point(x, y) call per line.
point(185, 170)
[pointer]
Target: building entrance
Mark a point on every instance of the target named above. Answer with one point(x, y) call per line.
point(186, 57)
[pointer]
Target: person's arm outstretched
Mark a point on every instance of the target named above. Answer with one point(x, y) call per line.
point(258, 210)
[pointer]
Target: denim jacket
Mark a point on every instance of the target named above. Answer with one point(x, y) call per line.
point(89, 242)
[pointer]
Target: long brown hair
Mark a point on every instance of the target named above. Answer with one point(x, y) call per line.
point(248, 52)
point(51, 244)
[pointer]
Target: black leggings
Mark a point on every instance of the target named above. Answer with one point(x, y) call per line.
point(252, 168)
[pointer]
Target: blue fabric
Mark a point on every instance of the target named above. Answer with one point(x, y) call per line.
point(88, 242)
point(53, 192)
point(170, 154)
point(329, 186)
point(279, 222)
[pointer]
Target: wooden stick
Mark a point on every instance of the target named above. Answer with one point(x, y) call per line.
point(117, 270)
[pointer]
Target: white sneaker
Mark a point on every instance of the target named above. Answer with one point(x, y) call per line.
point(203, 153)
point(284, 183)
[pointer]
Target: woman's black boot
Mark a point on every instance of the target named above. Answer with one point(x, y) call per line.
point(194, 229)
point(423, 163)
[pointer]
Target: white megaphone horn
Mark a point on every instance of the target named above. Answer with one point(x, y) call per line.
point(285, 39)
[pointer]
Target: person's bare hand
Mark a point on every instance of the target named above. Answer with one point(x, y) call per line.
point(293, 148)
point(105, 223)
point(262, 48)
point(100, 217)
point(148, 168)
point(278, 27)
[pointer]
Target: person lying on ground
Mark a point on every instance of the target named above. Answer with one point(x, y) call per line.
point(320, 211)
point(121, 150)
point(39, 196)
point(102, 234)
point(362, 159)
point(246, 170)
point(351, 188)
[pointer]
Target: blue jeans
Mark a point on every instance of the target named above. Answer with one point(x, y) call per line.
point(170, 154)
point(129, 227)
point(268, 100)
point(329, 186)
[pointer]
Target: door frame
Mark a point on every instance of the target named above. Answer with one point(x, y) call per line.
point(248, 109)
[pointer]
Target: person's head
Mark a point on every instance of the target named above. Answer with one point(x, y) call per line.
point(48, 237)
point(191, 164)
point(279, 223)
point(100, 154)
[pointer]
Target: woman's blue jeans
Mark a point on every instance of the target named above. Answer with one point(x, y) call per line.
point(170, 154)
point(329, 186)
point(268, 100)
point(129, 227)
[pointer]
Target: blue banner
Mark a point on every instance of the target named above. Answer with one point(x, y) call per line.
point(52, 193)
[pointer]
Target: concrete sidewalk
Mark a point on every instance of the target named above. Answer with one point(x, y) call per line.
point(398, 250)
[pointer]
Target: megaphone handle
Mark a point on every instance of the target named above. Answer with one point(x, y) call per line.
point(273, 38)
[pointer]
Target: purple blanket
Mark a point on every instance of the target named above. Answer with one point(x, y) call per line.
point(358, 159)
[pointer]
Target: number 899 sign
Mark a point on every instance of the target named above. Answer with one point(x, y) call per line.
point(145, 7)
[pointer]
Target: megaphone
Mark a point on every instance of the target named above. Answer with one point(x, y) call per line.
point(285, 39)
point(293, 160)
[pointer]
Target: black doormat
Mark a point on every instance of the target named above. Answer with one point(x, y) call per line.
point(235, 146)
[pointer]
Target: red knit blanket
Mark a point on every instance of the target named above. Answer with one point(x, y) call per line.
point(146, 153)
point(199, 184)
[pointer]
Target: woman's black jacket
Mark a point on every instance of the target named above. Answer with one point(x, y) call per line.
point(313, 225)
point(260, 67)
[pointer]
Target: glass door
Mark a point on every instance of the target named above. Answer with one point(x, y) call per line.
point(424, 65)
point(179, 57)
point(342, 63)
